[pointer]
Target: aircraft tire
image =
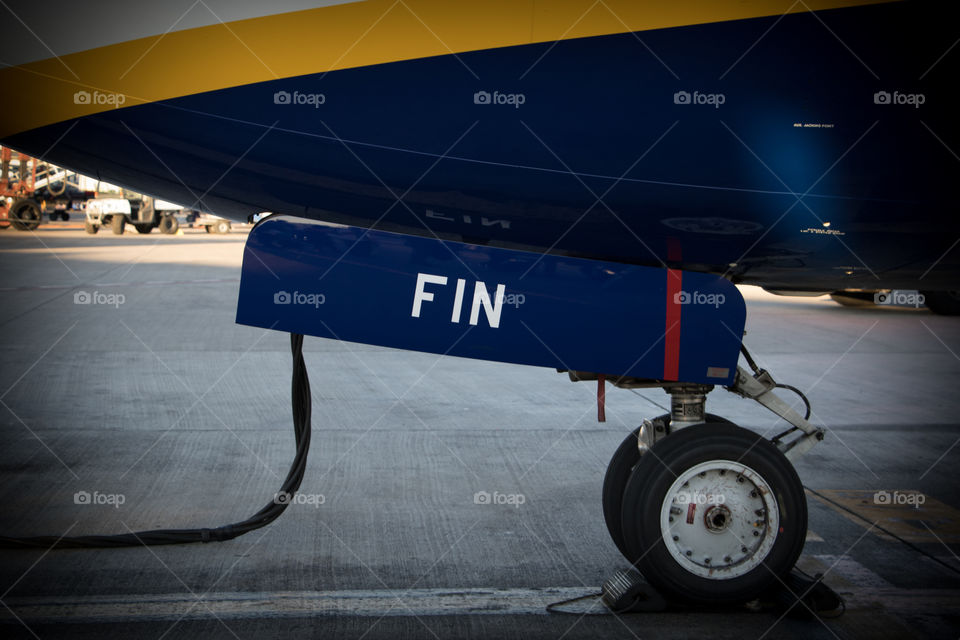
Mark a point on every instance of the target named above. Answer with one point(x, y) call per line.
point(944, 303)
point(624, 459)
point(714, 514)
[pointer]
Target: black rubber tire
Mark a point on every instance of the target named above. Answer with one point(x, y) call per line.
point(624, 459)
point(65, 216)
point(222, 226)
point(651, 479)
point(944, 303)
point(25, 214)
point(169, 224)
point(90, 228)
point(208, 228)
point(143, 227)
point(118, 223)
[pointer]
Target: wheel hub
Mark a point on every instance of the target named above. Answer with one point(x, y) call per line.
point(716, 518)
point(719, 519)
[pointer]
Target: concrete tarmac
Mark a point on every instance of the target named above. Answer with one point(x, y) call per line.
point(130, 400)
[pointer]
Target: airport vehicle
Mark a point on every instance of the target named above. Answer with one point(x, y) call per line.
point(101, 212)
point(57, 193)
point(618, 164)
point(30, 188)
point(160, 214)
point(116, 207)
point(211, 223)
point(62, 198)
point(18, 181)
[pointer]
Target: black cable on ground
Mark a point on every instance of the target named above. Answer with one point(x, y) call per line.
point(554, 607)
point(300, 396)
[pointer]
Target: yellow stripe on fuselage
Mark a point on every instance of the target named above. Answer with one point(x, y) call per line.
point(334, 37)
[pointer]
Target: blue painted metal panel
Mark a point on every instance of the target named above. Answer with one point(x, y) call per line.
point(489, 303)
point(719, 185)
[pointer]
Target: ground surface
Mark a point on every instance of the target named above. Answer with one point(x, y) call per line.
point(160, 398)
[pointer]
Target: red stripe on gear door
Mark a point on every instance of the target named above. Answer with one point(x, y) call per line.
point(671, 342)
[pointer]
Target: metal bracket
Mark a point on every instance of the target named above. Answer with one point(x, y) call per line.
point(651, 431)
point(760, 387)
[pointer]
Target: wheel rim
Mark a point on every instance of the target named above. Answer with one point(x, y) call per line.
point(719, 519)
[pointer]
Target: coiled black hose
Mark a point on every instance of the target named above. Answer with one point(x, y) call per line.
point(300, 397)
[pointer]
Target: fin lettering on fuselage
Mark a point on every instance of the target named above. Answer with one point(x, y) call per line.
point(492, 308)
point(483, 221)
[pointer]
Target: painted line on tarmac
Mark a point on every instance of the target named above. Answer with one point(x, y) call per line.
point(275, 604)
point(854, 572)
point(142, 283)
point(866, 590)
point(862, 588)
point(908, 514)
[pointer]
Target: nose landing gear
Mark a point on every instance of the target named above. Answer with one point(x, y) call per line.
point(707, 511)
point(714, 513)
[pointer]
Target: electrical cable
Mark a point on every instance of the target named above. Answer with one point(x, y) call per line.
point(554, 607)
point(757, 370)
point(799, 393)
point(300, 398)
point(749, 358)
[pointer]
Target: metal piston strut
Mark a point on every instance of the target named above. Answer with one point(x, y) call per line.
point(688, 404)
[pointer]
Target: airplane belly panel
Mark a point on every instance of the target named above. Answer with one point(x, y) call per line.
point(782, 168)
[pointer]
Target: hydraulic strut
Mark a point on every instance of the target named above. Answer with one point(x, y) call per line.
point(688, 406)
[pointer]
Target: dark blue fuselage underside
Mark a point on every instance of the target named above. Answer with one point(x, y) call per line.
point(600, 160)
